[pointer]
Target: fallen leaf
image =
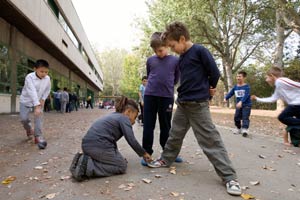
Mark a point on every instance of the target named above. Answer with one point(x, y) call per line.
point(64, 177)
point(8, 180)
point(131, 184)
point(262, 156)
point(172, 170)
point(254, 182)
point(247, 196)
point(127, 188)
point(122, 186)
point(38, 167)
point(146, 180)
point(291, 190)
point(157, 176)
point(174, 194)
point(50, 196)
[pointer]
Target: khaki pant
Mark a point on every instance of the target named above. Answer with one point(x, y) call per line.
point(197, 115)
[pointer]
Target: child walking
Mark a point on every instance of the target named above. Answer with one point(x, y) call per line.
point(34, 93)
point(101, 157)
point(288, 91)
point(243, 104)
point(198, 80)
point(163, 74)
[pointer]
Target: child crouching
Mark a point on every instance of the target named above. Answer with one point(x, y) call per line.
point(101, 157)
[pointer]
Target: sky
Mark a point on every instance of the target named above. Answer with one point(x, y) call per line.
point(109, 23)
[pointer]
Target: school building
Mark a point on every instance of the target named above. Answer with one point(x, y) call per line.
point(50, 30)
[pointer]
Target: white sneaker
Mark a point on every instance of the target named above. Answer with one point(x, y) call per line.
point(237, 131)
point(244, 132)
point(233, 188)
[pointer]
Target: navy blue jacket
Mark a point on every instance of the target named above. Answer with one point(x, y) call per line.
point(198, 72)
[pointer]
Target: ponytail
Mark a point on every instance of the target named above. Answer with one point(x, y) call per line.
point(124, 103)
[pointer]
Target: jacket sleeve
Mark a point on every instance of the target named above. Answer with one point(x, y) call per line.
point(212, 69)
point(127, 131)
point(230, 93)
point(271, 99)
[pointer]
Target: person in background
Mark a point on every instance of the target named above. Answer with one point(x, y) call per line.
point(243, 104)
point(141, 99)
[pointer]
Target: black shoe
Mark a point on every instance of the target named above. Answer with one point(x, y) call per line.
point(74, 162)
point(41, 142)
point(79, 173)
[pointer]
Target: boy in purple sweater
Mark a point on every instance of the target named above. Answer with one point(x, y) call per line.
point(163, 74)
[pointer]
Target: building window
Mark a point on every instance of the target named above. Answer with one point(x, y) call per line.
point(4, 70)
point(24, 67)
point(54, 7)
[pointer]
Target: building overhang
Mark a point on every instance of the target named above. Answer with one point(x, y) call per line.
point(15, 17)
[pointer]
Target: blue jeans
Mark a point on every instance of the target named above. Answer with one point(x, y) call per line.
point(290, 115)
point(153, 105)
point(242, 115)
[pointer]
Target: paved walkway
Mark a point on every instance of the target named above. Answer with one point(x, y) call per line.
point(260, 158)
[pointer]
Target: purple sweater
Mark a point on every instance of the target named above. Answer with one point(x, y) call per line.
point(163, 74)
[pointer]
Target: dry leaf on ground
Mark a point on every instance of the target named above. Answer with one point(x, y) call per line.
point(247, 196)
point(8, 180)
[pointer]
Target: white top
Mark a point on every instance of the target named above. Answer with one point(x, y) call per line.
point(285, 89)
point(35, 89)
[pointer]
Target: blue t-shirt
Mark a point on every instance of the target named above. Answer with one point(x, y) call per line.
point(162, 74)
point(198, 72)
point(242, 93)
point(142, 90)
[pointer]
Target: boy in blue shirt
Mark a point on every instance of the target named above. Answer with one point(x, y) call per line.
point(243, 104)
point(198, 80)
point(141, 99)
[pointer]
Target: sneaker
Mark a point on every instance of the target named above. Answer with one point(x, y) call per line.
point(244, 132)
point(40, 141)
point(74, 162)
point(178, 160)
point(30, 134)
point(79, 174)
point(157, 163)
point(144, 163)
point(233, 188)
point(237, 131)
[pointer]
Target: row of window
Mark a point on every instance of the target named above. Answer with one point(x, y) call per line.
point(72, 36)
point(25, 65)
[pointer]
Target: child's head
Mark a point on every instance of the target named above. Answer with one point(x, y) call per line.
point(241, 76)
point(128, 107)
point(272, 74)
point(158, 46)
point(176, 36)
point(41, 68)
point(144, 80)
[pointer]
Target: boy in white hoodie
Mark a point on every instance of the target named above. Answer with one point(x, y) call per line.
point(288, 91)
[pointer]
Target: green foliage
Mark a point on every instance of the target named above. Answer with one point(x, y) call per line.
point(131, 77)
point(293, 70)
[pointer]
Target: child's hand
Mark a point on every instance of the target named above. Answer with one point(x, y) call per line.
point(225, 101)
point(239, 104)
point(212, 91)
point(147, 157)
point(253, 97)
point(37, 110)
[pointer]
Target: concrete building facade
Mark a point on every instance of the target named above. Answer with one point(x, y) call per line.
point(50, 30)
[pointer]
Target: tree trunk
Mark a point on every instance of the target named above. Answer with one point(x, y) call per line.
point(278, 54)
point(228, 79)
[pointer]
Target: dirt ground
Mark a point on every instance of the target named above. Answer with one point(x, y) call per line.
point(41, 173)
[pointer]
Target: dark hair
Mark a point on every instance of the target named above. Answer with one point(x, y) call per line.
point(124, 103)
point(144, 77)
point(243, 73)
point(174, 31)
point(275, 71)
point(41, 63)
point(155, 41)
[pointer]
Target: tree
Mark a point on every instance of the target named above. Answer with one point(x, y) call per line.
point(290, 13)
point(131, 77)
point(112, 64)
